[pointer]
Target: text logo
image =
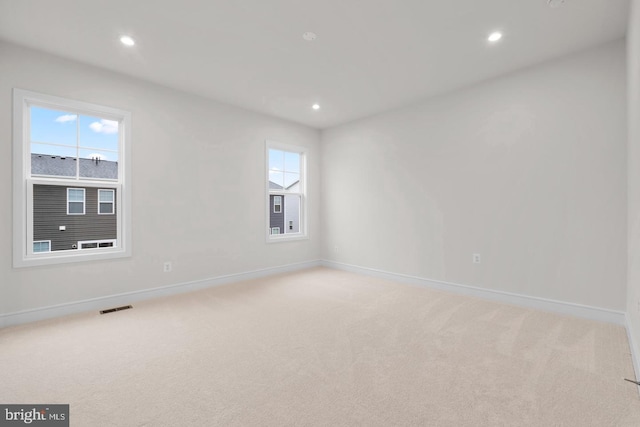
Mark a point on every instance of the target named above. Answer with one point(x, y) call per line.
point(34, 415)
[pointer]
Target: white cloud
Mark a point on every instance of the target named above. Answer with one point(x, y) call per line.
point(66, 118)
point(104, 126)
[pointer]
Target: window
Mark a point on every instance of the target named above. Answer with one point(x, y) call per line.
point(75, 201)
point(71, 171)
point(286, 192)
point(105, 202)
point(42, 246)
point(95, 244)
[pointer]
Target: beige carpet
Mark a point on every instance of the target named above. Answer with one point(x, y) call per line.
point(323, 348)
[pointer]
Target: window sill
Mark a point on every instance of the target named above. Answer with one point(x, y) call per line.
point(284, 238)
point(65, 257)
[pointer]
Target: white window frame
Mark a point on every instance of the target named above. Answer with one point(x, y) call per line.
point(279, 204)
point(23, 181)
point(302, 193)
point(84, 201)
point(113, 200)
point(42, 241)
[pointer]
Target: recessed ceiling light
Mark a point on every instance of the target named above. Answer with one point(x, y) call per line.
point(309, 36)
point(555, 3)
point(494, 37)
point(127, 41)
point(316, 106)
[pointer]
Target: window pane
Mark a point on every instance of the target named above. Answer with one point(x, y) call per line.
point(292, 213)
point(105, 195)
point(52, 161)
point(106, 208)
point(51, 211)
point(276, 160)
point(76, 207)
point(53, 126)
point(291, 162)
point(53, 150)
point(98, 164)
point(276, 180)
point(76, 194)
point(41, 247)
point(290, 181)
point(99, 134)
point(54, 138)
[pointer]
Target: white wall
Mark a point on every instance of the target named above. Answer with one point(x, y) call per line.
point(198, 186)
point(633, 279)
point(529, 170)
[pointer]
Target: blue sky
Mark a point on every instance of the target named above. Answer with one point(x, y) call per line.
point(69, 132)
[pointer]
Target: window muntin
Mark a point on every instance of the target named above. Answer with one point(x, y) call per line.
point(286, 191)
point(106, 200)
point(75, 201)
point(69, 144)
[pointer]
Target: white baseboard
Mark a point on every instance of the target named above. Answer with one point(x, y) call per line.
point(561, 307)
point(588, 312)
point(635, 350)
point(102, 303)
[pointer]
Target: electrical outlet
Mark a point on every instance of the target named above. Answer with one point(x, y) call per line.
point(476, 258)
point(167, 267)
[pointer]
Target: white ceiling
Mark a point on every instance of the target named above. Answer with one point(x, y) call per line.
point(370, 55)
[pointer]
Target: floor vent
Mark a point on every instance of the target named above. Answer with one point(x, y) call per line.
point(111, 310)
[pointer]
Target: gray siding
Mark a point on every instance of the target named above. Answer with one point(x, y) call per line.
point(50, 212)
point(276, 219)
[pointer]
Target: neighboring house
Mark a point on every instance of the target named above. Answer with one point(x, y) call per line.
point(276, 210)
point(292, 210)
point(73, 216)
point(284, 210)
point(44, 164)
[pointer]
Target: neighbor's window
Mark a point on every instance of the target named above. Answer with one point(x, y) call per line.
point(71, 166)
point(105, 201)
point(96, 244)
point(75, 201)
point(286, 192)
point(42, 246)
